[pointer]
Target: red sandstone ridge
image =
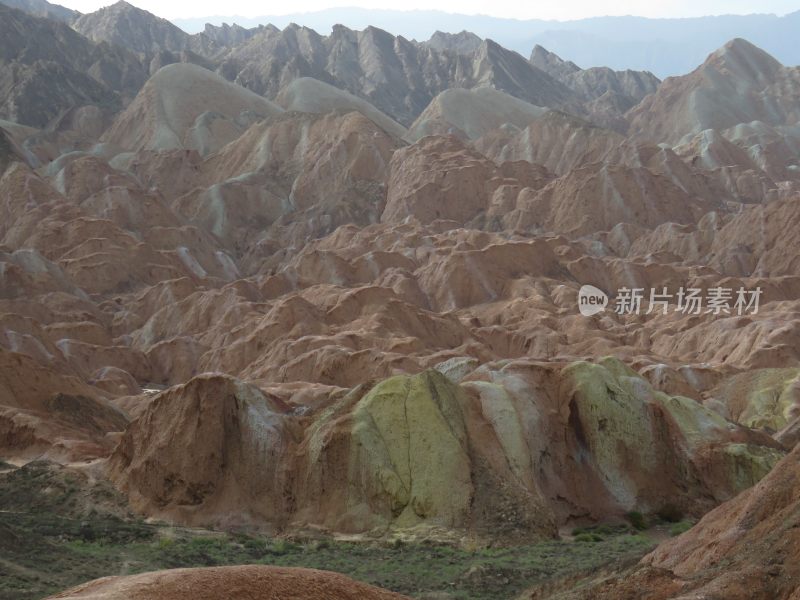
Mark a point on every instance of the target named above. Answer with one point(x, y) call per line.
point(45, 412)
point(234, 442)
point(234, 583)
point(746, 549)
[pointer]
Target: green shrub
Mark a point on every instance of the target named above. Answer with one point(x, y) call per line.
point(203, 542)
point(280, 547)
point(679, 528)
point(589, 537)
point(637, 519)
point(165, 543)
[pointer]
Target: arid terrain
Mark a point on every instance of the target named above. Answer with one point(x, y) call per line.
point(283, 299)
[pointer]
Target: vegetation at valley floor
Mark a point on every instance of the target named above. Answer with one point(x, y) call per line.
point(43, 553)
point(48, 542)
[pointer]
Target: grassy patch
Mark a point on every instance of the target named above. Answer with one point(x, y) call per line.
point(56, 531)
point(603, 531)
point(50, 553)
point(680, 527)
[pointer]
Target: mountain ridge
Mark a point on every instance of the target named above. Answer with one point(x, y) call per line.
point(619, 43)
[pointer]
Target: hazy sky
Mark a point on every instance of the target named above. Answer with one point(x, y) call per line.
point(532, 9)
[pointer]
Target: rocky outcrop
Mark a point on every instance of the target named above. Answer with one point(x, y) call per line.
point(409, 447)
point(329, 168)
point(551, 63)
point(745, 548)
point(235, 443)
point(439, 178)
point(596, 82)
point(46, 412)
point(9, 152)
point(412, 453)
point(598, 197)
point(608, 94)
point(555, 140)
point(229, 35)
point(742, 245)
point(767, 399)
point(463, 42)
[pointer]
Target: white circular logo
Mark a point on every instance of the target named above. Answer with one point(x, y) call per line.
point(591, 300)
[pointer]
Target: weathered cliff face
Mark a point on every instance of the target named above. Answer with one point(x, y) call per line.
point(506, 454)
point(235, 452)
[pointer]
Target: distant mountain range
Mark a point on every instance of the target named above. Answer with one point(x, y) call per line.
point(119, 46)
point(663, 46)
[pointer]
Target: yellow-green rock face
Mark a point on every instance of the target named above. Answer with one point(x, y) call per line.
point(697, 423)
point(511, 453)
point(410, 438)
point(747, 464)
point(646, 445)
point(765, 398)
point(506, 453)
point(613, 424)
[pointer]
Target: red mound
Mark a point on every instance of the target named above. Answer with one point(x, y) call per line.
point(231, 583)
